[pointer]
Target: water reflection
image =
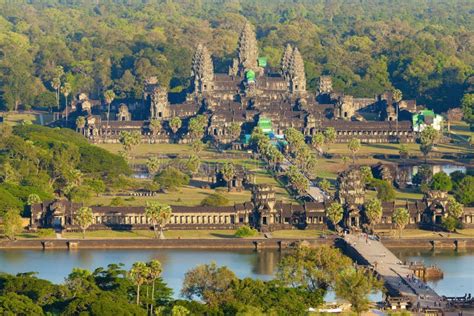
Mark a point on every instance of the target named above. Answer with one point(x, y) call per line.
point(55, 265)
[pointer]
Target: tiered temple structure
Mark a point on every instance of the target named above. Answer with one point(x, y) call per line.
point(250, 91)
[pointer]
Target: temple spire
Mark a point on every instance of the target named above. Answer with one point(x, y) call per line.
point(202, 70)
point(296, 73)
point(286, 59)
point(247, 50)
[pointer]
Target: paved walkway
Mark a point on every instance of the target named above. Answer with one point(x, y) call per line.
point(313, 191)
point(399, 279)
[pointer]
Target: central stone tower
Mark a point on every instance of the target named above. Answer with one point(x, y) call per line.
point(247, 53)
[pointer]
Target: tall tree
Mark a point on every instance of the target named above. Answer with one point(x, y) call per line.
point(175, 124)
point(209, 283)
point(330, 135)
point(154, 272)
point(12, 224)
point(373, 211)
point(228, 173)
point(317, 141)
point(138, 274)
point(159, 215)
point(312, 269)
point(401, 218)
point(354, 146)
point(155, 127)
point(84, 218)
point(66, 90)
point(334, 213)
point(428, 138)
point(354, 285)
point(109, 97)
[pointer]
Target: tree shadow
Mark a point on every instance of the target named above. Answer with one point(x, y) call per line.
point(227, 236)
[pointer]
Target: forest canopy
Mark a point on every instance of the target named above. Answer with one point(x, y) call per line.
point(424, 48)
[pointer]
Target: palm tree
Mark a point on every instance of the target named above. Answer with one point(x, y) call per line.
point(334, 213)
point(66, 90)
point(175, 124)
point(155, 127)
point(84, 219)
point(159, 214)
point(80, 123)
point(354, 147)
point(228, 173)
point(109, 97)
point(56, 82)
point(153, 165)
point(317, 141)
point(401, 218)
point(138, 274)
point(154, 270)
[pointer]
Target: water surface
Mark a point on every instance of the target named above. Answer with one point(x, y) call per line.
point(55, 265)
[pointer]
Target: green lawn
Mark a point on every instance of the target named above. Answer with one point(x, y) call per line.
point(185, 196)
point(17, 118)
point(137, 234)
point(183, 234)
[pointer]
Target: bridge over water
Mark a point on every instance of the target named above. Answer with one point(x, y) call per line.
point(399, 279)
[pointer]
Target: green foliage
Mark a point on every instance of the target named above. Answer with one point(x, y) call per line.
point(354, 146)
point(442, 182)
point(334, 213)
point(464, 191)
point(12, 224)
point(171, 178)
point(159, 214)
point(14, 304)
point(385, 190)
point(312, 269)
point(423, 176)
point(245, 231)
point(297, 180)
point(84, 219)
point(355, 43)
point(373, 211)
point(401, 218)
point(215, 199)
point(209, 283)
point(117, 201)
point(451, 223)
point(355, 285)
point(46, 232)
point(467, 104)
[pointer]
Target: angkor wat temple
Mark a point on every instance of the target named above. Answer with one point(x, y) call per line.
point(262, 212)
point(249, 92)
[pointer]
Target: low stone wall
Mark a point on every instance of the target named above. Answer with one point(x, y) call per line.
point(255, 244)
point(438, 243)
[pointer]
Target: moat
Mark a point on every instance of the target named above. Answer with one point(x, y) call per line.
point(55, 265)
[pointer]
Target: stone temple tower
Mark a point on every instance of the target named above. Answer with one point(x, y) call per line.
point(325, 85)
point(286, 60)
point(247, 52)
point(157, 98)
point(202, 71)
point(297, 77)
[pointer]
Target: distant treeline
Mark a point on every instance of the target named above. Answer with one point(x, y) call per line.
point(424, 48)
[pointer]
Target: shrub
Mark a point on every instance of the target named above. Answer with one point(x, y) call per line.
point(245, 231)
point(46, 232)
point(117, 201)
point(385, 190)
point(441, 181)
point(215, 199)
point(171, 178)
